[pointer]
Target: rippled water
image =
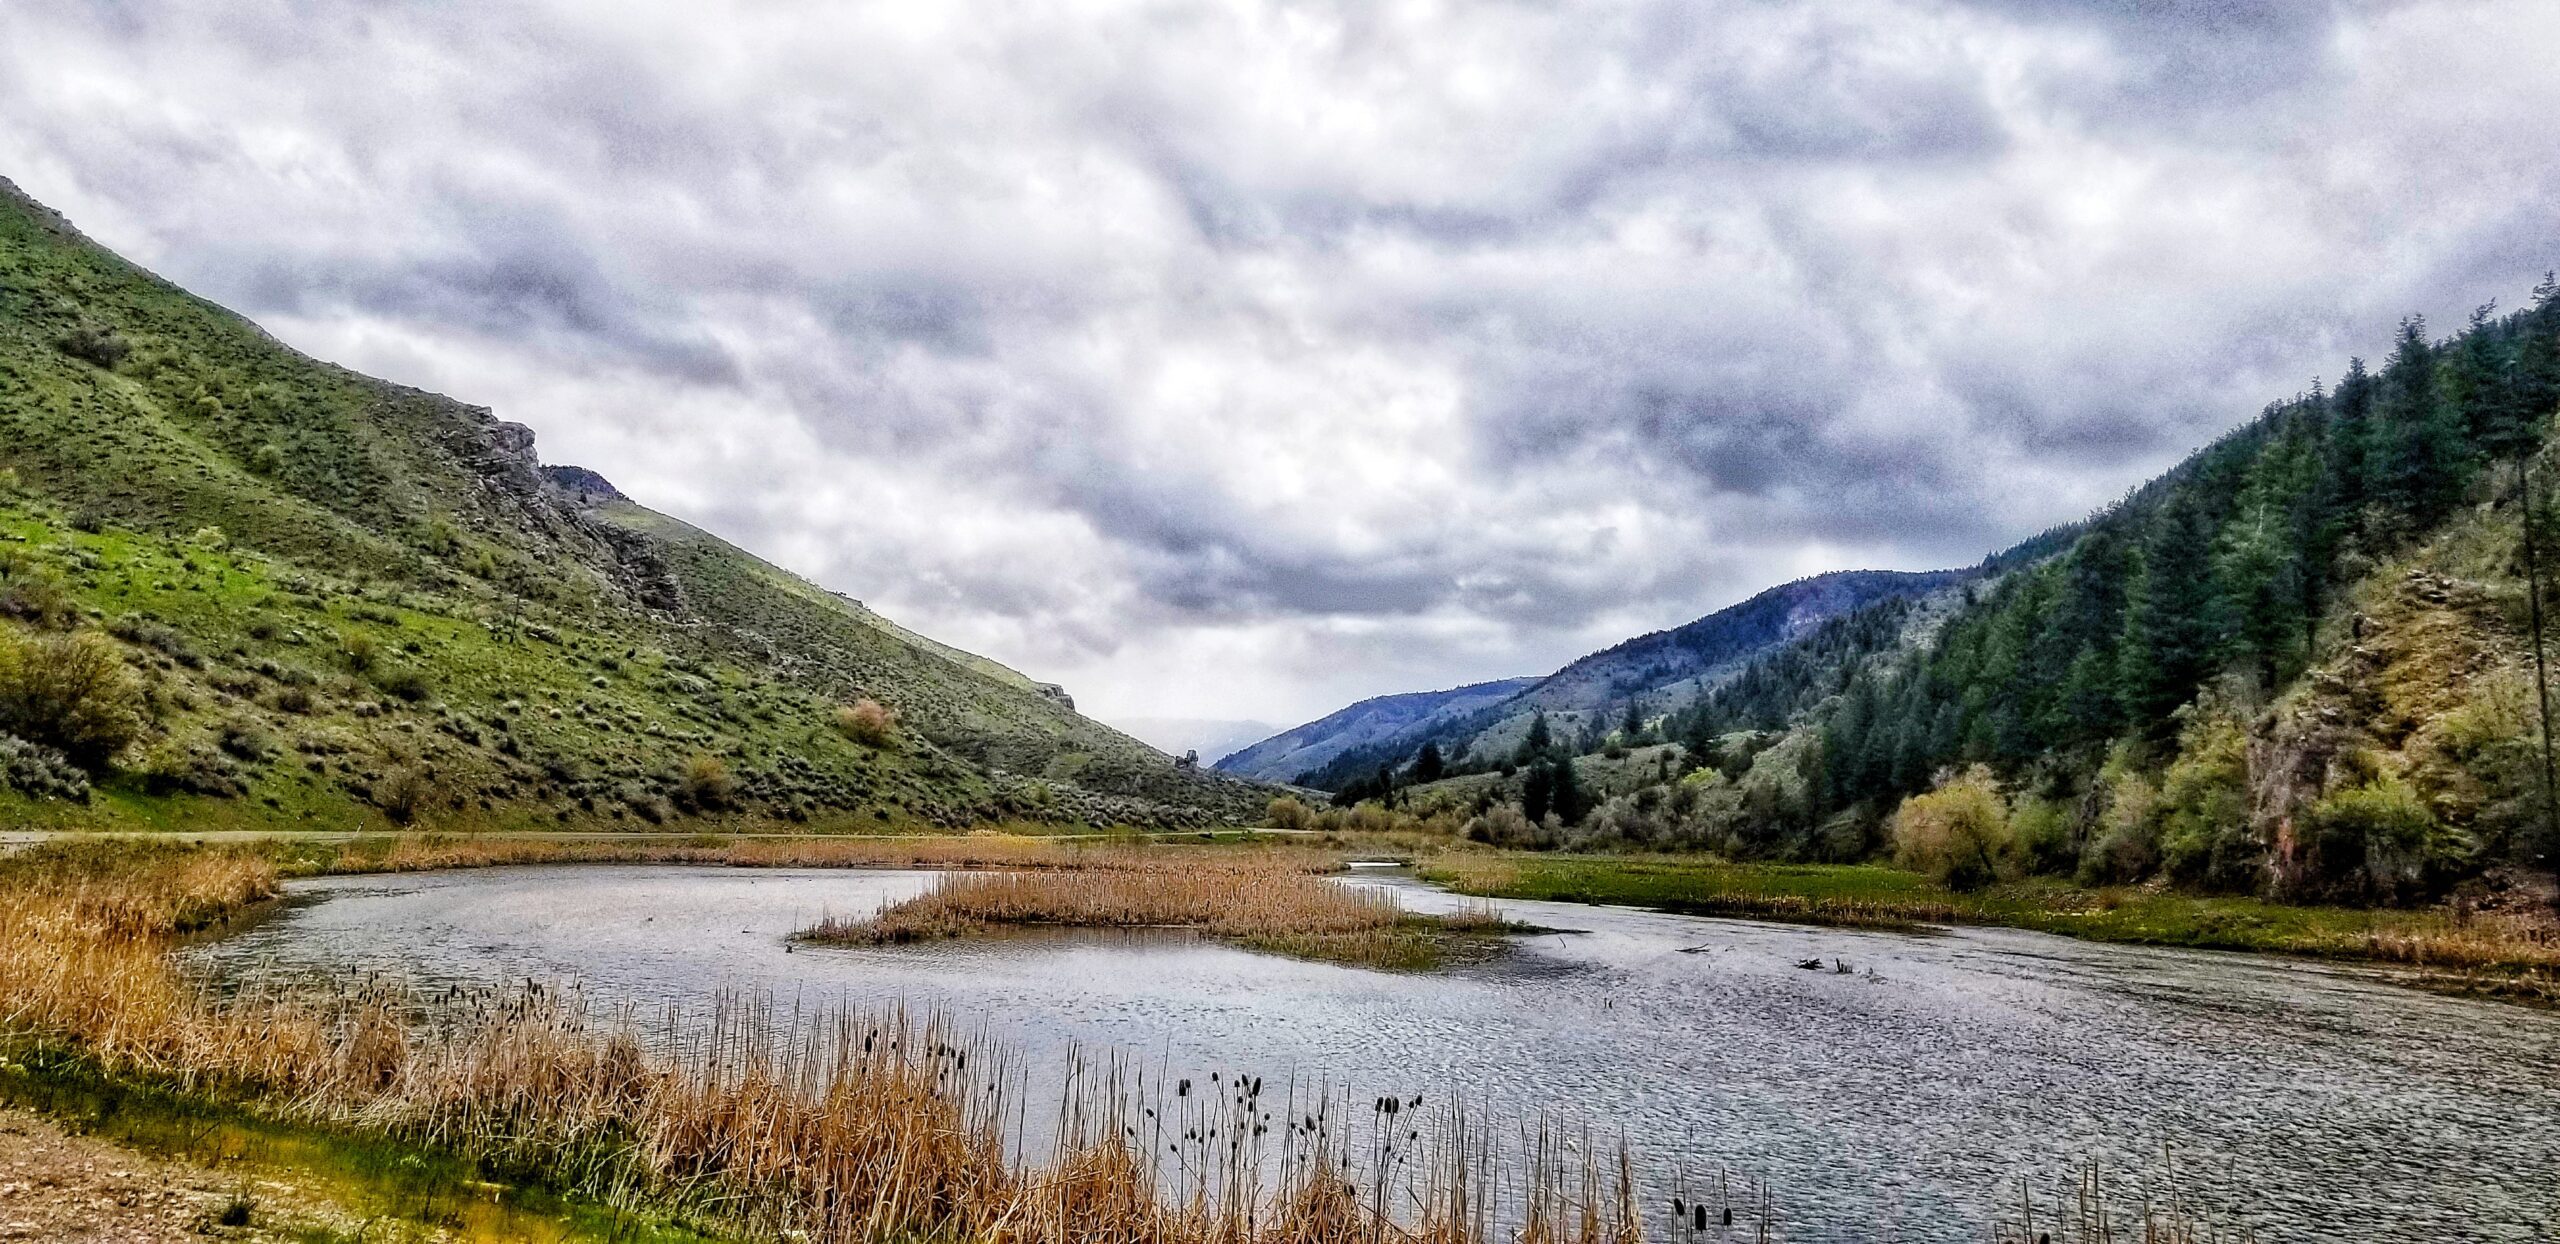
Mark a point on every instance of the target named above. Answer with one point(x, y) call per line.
point(2319, 1102)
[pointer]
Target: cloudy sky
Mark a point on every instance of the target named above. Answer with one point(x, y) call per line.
point(1242, 359)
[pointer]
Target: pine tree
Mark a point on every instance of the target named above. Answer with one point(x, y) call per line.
point(2086, 623)
point(2351, 448)
point(1537, 790)
point(1541, 739)
point(2420, 434)
point(1567, 800)
point(2168, 636)
point(1697, 729)
point(2481, 382)
point(2258, 596)
point(1849, 771)
point(1429, 766)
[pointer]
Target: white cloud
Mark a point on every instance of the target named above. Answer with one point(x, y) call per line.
point(1241, 359)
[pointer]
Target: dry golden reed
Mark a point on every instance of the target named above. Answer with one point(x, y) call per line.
point(1272, 900)
point(840, 1126)
point(845, 1126)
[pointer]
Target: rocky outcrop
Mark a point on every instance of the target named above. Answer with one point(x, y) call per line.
point(580, 486)
point(497, 449)
point(2412, 692)
point(638, 567)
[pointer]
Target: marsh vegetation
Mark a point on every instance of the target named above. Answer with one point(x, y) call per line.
point(1275, 900)
point(846, 1123)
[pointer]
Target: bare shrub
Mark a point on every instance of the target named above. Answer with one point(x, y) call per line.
point(1503, 825)
point(404, 792)
point(868, 722)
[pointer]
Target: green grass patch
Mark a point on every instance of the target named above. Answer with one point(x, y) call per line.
point(1870, 895)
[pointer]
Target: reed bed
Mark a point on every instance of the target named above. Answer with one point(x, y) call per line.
point(1272, 902)
point(841, 1125)
point(838, 1126)
point(2505, 940)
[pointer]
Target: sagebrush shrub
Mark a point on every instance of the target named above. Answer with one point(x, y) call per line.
point(35, 596)
point(72, 693)
point(33, 769)
point(706, 785)
point(144, 632)
point(405, 791)
point(406, 682)
point(92, 344)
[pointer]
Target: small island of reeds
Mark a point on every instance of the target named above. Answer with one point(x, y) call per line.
point(1276, 901)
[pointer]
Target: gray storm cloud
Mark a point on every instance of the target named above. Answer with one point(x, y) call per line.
point(1242, 359)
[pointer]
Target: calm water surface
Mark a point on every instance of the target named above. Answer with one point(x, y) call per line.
point(2323, 1103)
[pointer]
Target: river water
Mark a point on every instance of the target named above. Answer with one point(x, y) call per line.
point(1901, 1099)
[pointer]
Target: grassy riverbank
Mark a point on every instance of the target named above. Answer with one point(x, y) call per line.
point(2504, 953)
point(980, 850)
point(841, 1126)
point(367, 1186)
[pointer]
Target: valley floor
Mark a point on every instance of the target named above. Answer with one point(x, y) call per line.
point(88, 1153)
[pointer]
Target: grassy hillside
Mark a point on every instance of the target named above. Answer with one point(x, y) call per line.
point(346, 601)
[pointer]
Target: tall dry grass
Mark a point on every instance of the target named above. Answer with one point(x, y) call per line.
point(1271, 900)
point(843, 1125)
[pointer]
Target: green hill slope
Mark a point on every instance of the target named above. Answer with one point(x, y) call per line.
point(351, 600)
point(2301, 663)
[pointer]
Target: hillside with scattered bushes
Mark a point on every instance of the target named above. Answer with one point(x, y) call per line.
point(241, 586)
point(2309, 662)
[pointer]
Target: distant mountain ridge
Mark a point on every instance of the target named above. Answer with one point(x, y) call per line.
point(1651, 674)
point(1367, 725)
